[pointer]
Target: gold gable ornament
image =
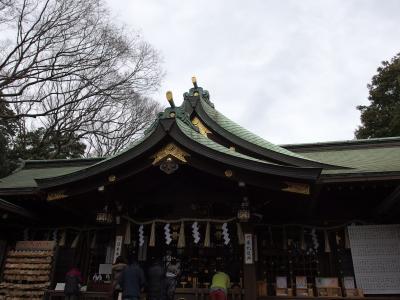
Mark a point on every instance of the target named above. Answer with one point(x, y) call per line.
point(169, 157)
point(56, 195)
point(202, 128)
point(298, 188)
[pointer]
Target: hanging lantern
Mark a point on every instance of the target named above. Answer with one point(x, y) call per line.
point(181, 240)
point(240, 234)
point(104, 216)
point(207, 243)
point(152, 241)
point(244, 211)
point(327, 246)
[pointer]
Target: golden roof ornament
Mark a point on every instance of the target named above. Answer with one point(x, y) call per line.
point(194, 81)
point(170, 99)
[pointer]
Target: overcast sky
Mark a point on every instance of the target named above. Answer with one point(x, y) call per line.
point(290, 71)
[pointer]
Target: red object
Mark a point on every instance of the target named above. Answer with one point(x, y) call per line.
point(74, 272)
point(217, 295)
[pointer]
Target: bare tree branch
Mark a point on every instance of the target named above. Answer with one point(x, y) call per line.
point(76, 72)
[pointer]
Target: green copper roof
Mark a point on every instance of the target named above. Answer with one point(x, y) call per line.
point(25, 178)
point(197, 137)
point(363, 160)
point(243, 133)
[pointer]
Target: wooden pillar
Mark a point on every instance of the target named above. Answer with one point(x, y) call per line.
point(249, 269)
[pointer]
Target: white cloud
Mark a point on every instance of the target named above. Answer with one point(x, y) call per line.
point(290, 71)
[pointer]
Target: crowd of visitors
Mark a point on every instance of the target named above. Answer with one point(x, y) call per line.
point(160, 281)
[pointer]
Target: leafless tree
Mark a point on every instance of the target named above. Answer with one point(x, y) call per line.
point(6, 10)
point(105, 128)
point(75, 71)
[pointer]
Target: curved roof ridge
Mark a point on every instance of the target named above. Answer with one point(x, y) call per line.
point(244, 133)
point(197, 137)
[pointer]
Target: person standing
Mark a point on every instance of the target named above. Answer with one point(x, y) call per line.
point(132, 280)
point(117, 268)
point(73, 279)
point(156, 281)
point(173, 270)
point(219, 286)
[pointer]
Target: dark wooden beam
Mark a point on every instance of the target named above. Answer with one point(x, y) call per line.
point(315, 193)
point(15, 209)
point(390, 202)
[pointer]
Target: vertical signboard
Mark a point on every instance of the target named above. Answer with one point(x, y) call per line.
point(375, 250)
point(118, 247)
point(248, 248)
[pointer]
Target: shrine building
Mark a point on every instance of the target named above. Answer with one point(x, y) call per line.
point(317, 220)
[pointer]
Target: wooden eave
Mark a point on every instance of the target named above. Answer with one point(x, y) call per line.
point(359, 177)
point(19, 191)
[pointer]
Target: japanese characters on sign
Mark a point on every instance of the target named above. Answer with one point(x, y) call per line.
point(118, 246)
point(248, 249)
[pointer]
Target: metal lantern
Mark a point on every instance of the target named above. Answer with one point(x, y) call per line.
point(104, 216)
point(244, 211)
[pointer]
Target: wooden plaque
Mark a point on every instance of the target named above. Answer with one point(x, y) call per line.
point(35, 245)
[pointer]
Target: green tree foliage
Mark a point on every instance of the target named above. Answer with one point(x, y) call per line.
point(36, 145)
point(8, 128)
point(382, 117)
point(16, 143)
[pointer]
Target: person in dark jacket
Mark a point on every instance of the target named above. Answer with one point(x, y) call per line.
point(73, 279)
point(117, 268)
point(173, 271)
point(132, 280)
point(156, 281)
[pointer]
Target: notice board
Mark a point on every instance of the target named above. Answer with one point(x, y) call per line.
point(375, 250)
